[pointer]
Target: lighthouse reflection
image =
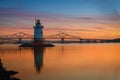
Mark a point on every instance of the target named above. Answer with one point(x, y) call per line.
point(38, 58)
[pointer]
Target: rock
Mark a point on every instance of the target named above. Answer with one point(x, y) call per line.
point(6, 75)
point(12, 72)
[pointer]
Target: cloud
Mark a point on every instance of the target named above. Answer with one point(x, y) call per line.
point(15, 12)
point(68, 29)
point(22, 20)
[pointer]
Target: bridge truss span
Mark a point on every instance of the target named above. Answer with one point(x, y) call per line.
point(15, 37)
point(62, 35)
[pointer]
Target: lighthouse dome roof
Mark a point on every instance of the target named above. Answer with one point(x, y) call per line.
point(38, 22)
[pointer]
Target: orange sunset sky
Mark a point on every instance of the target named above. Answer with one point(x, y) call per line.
point(83, 18)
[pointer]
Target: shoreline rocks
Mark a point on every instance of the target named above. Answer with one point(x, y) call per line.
point(6, 75)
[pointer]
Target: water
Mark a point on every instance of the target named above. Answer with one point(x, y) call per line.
point(64, 62)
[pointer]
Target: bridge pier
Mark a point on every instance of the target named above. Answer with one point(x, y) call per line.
point(80, 41)
point(20, 40)
point(62, 40)
point(9, 40)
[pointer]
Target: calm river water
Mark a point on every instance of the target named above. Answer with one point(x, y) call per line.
point(64, 62)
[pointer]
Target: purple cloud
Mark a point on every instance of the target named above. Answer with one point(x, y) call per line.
point(18, 17)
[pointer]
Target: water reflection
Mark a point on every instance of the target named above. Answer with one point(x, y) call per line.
point(64, 62)
point(38, 58)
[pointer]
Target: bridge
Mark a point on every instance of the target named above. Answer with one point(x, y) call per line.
point(61, 37)
point(16, 37)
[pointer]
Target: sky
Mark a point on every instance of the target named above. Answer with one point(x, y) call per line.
point(83, 18)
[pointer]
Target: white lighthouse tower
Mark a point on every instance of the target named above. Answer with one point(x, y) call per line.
point(38, 33)
point(38, 37)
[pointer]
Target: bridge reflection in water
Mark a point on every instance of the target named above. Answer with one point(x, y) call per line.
point(38, 58)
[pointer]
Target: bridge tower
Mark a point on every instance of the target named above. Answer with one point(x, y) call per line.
point(38, 33)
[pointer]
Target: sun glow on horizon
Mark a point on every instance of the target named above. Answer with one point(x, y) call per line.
point(87, 21)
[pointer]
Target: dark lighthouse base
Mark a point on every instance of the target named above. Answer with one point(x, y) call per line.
point(31, 45)
point(37, 44)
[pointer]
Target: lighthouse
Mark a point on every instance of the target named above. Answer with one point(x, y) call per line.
point(38, 34)
point(38, 40)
